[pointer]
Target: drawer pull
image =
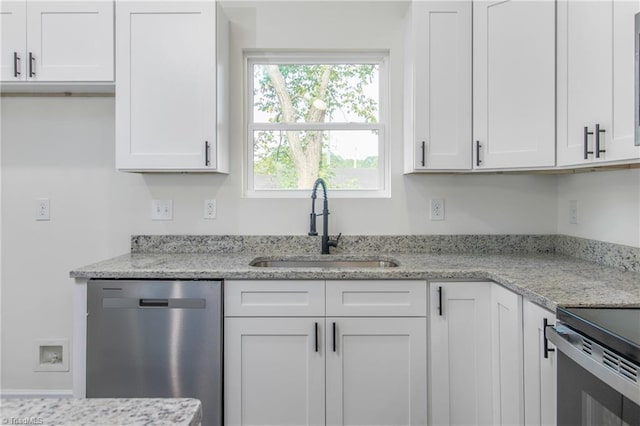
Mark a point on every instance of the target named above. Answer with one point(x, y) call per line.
point(316, 336)
point(334, 336)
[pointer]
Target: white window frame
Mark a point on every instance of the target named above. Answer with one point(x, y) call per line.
point(380, 58)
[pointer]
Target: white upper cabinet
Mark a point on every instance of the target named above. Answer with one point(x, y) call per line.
point(57, 41)
point(595, 81)
point(13, 39)
point(168, 72)
point(437, 118)
point(513, 84)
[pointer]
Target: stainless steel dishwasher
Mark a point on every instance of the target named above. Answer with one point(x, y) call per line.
point(156, 339)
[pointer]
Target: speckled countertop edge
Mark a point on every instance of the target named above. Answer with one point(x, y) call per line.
point(548, 280)
point(102, 411)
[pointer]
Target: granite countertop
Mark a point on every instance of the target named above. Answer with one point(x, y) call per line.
point(101, 411)
point(550, 280)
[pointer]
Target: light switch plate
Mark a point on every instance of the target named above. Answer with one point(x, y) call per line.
point(162, 210)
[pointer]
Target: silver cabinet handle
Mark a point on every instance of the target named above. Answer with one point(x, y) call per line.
point(207, 160)
point(478, 160)
point(423, 162)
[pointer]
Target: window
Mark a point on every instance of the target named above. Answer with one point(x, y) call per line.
point(317, 115)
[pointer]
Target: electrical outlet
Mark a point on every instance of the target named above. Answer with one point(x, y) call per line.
point(210, 209)
point(573, 212)
point(43, 209)
point(437, 209)
point(162, 210)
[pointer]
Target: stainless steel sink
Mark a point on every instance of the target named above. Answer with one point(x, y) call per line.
point(323, 263)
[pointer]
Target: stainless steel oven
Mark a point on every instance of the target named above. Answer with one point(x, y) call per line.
point(598, 366)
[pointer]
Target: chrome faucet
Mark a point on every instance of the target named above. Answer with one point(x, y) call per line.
point(326, 242)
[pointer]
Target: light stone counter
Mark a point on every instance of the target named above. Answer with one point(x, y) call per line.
point(550, 280)
point(101, 411)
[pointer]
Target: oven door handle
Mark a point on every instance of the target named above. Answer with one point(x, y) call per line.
point(610, 377)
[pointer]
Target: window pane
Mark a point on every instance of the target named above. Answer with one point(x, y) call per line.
point(316, 93)
point(295, 159)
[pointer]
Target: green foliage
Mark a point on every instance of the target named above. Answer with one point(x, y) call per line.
point(345, 98)
point(345, 91)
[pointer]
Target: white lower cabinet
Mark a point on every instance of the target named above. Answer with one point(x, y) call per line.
point(360, 352)
point(273, 374)
point(460, 353)
point(376, 372)
point(475, 363)
point(371, 369)
point(539, 368)
point(506, 337)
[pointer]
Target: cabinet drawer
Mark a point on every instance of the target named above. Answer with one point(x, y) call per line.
point(274, 298)
point(376, 298)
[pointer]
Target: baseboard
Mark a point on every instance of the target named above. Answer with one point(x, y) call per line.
point(36, 393)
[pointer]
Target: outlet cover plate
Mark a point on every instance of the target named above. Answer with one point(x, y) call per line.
point(436, 211)
point(573, 212)
point(43, 209)
point(210, 209)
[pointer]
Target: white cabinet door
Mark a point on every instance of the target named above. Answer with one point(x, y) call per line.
point(13, 40)
point(376, 372)
point(69, 41)
point(595, 81)
point(438, 86)
point(539, 368)
point(166, 86)
point(513, 83)
point(506, 324)
point(273, 373)
point(460, 353)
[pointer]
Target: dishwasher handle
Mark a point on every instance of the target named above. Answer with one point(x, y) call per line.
point(154, 303)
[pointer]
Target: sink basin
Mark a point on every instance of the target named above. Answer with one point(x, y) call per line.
point(323, 263)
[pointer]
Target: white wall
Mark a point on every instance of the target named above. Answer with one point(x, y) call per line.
point(63, 149)
point(608, 206)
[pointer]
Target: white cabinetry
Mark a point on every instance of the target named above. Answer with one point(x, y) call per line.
point(376, 373)
point(513, 84)
point(506, 330)
point(273, 373)
point(56, 41)
point(539, 368)
point(170, 86)
point(279, 367)
point(437, 114)
point(475, 362)
point(460, 353)
point(595, 81)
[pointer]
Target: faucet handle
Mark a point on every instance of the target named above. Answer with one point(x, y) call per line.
point(334, 243)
